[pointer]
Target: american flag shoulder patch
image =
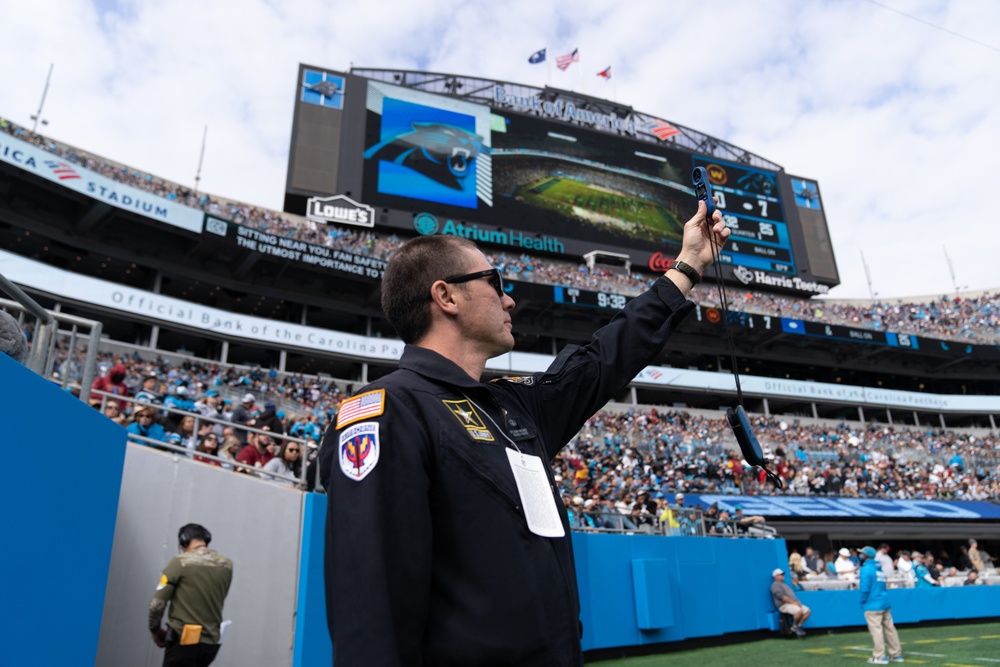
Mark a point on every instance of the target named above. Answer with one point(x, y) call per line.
point(363, 406)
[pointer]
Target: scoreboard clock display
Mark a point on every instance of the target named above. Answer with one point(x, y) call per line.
point(575, 296)
point(751, 207)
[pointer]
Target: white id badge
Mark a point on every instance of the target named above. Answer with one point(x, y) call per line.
point(536, 496)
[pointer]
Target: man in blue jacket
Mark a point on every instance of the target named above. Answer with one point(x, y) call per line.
point(875, 602)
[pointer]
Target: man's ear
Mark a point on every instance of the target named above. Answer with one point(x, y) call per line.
point(444, 296)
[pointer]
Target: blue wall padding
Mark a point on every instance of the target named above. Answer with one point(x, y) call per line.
point(643, 589)
point(653, 599)
point(58, 505)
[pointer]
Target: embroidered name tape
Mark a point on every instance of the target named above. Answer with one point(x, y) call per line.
point(363, 406)
point(359, 450)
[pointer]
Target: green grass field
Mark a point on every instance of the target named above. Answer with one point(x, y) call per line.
point(603, 207)
point(976, 645)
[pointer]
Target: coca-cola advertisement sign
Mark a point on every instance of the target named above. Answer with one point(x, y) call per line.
point(659, 264)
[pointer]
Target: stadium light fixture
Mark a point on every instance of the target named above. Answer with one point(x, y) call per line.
point(563, 137)
point(45, 91)
point(648, 156)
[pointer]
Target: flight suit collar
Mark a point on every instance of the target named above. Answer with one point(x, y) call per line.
point(434, 366)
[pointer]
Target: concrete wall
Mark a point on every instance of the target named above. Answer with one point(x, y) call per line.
point(255, 523)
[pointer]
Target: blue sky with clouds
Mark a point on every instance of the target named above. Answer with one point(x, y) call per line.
point(896, 117)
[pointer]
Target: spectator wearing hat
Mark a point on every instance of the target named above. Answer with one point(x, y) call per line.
point(905, 566)
point(270, 420)
point(709, 518)
point(243, 415)
point(112, 383)
point(878, 614)
point(644, 511)
point(148, 394)
point(209, 405)
point(787, 603)
point(975, 556)
point(921, 573)
point(884, 559)
point(144, 424)
point(178, 400)
point(845, 568)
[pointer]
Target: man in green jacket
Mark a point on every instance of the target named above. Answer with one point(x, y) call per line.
point(195, 583)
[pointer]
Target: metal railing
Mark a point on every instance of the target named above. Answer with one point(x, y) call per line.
point(308, 448)
point(49, 342)
point(681, 521)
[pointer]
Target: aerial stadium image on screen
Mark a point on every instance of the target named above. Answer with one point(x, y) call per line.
point(578, 181)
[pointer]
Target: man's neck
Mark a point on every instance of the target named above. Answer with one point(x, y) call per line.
point(469, 361)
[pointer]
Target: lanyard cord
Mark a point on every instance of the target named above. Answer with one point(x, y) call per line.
point(497, 426)
point(727, 322)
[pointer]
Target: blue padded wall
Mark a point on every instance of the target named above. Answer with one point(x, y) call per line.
point(58, 505)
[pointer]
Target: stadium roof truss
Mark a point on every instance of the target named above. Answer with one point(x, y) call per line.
point(481, 91)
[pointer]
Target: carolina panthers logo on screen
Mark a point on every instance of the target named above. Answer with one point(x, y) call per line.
point(758, 183)
point(441, 152)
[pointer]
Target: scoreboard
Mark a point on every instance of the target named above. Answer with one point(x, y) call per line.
point(546, 172)
point(752, 209)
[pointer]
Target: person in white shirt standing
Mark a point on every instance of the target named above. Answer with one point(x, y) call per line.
point(885, 560)
point(845, 567)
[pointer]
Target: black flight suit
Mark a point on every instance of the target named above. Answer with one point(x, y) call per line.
point(429, 560)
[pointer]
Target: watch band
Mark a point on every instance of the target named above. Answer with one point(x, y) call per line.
point(687, 270)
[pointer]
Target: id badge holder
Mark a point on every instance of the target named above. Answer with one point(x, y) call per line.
point(536, 496)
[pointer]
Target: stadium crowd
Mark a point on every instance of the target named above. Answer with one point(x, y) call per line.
point(619, 454)
point(971, 319)
point(966, 565)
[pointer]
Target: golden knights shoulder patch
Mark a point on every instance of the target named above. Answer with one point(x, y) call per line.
point(359, 450)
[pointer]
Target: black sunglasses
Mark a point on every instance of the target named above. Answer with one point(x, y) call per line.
point(493, 275)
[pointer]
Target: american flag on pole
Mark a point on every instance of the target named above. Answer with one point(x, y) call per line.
point(605, 74)
point(562, 62)
point(662, 130)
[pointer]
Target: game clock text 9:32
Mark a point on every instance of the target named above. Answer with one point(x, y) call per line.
point(589, 299)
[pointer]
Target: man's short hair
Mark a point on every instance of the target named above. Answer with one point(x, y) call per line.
point(408, 278)
point(191, 532)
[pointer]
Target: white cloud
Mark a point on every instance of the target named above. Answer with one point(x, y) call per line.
point(898, 121)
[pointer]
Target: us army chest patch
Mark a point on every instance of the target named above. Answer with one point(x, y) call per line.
point(467, 416)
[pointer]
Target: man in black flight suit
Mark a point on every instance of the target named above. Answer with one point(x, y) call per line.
point(446, 544)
